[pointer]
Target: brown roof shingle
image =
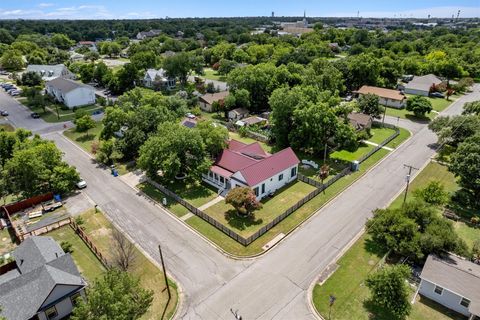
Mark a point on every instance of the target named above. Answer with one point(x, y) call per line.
point(381, 92)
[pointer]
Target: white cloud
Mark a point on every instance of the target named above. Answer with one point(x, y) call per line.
point(46, 4)
point(46, 12)
point(434, 12)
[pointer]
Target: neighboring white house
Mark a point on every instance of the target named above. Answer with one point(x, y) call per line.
point(50, 72)
point(42, 283)
point(453, 282)
point(421, 85)
point(153, 76)
point(70, 93)
point(387, 97)
point(248, 165)
point(206, 101)
point(237, 114)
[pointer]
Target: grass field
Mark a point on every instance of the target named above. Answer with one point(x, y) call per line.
point(50, 114)
point(99, 229)
point(347, 283)
point(380, 134)
point(86, 261)
point(348, 286)
point(438, 105)
point(271, 208)
point(7, 243)
point(6, 127)
point(211, 74)
point(83, 139)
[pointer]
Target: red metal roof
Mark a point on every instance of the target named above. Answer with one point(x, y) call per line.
point(253, 162)
point(221, 171)
point(268, 167)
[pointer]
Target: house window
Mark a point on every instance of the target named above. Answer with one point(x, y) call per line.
point(280, 177)
point(51, 313)
point(465, 302)
point(263, 188)
point(293, 172)
point(222, 180)
point(256, 191)
point(438, 290)
point(75, 298)
point(216, 176)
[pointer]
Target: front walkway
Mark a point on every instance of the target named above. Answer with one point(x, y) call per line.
point(211, 203)
point(376, 145)
point(134, 178)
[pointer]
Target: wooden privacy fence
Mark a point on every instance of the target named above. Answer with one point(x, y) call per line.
point(319, 188)
point(78, 230)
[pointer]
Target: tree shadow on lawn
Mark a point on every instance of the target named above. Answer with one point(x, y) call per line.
point(375, 248)
point(191, 190)
point(241, 223)
point(85, 138)
point(417, 119)
point(376, 312)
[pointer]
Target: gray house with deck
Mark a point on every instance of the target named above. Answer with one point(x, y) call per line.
point(42, 283)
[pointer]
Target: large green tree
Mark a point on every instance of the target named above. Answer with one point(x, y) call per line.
point(214, 136)
point(369, 104)
point(174, 150)
point(116, 295)
point(12, 60)
point(465, 165)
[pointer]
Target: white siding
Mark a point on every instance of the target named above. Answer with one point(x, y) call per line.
point(273, 183)
point(392, 103)
point(447, 298)
point(417, 92)
point(79, 97)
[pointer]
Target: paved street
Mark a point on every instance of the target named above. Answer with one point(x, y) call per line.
point(275, 285)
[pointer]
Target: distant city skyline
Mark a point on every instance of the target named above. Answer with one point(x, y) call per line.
point(141, 9)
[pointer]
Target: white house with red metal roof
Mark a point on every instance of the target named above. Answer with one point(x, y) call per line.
point(248, 165)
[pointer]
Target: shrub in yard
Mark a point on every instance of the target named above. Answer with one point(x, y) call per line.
point(475, 220)
point(243, 200)
point(66, 246)
point(79, 220)
point(390, 291)
point(419, 105)
point(434, 193)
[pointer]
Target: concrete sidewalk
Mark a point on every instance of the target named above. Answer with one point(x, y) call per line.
point(211, 203)
point(134, 178)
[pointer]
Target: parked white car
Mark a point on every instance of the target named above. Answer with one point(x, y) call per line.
point(81, 184)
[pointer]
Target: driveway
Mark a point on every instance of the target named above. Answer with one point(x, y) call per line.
point(273, 286)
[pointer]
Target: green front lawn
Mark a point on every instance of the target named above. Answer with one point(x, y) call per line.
point(88, 264)
point(158, 196)
point(196, 194)
point(211, 74)
point(347, 285)
point(438, 104)
point(83, 139)
point(350, 156)
point(380, 134)
point(99, 229)
point(271, 208)
point(404, 135)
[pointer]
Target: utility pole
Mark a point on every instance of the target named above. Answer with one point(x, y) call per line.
point(410, 168)
point(165, 273)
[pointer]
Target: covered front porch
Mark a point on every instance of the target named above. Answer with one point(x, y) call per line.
point(218, 177)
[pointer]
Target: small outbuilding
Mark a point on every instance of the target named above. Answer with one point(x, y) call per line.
point(237, 114)
point(360, 121)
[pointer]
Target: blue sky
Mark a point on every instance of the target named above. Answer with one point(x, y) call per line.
point(111, 9)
